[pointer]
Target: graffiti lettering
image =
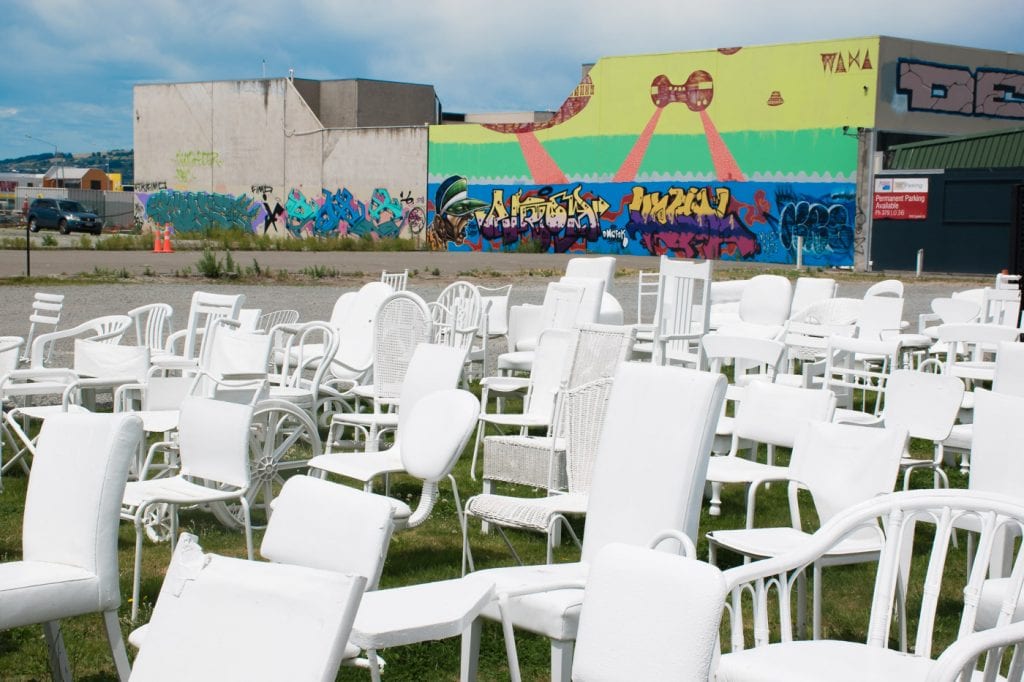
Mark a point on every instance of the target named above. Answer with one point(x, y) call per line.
point(832, 62)
point(678, 202)
point(262, 189)
point(150, 186)
point(197, 211)
point(957, 90)
point(560, 218)
point(185, 161)
point(616, 235)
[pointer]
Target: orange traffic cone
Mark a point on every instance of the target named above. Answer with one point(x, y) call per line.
point(157, 241)
point(167, 241)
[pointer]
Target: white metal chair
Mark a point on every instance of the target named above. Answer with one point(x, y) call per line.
point(69, 561)
point(840, 465)
point(432, 368)
point(678, 408)
point(46, 310)
point(274, 318)
point(772, 414)
point(663, 609)
point(152, 325)
point(583, 409)
point(398, 281)
point(213, 449)
point(212, 608)
point(681, 314)
point(895, 521)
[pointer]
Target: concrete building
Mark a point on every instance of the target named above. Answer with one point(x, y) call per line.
point(737, 153)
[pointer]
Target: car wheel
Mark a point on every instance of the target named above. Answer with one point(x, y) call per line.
point(62, 226)
point(33, 226)
point(98, 231)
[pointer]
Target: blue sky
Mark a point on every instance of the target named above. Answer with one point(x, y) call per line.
point(70, 65)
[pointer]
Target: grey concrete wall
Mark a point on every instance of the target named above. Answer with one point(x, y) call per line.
point(910, 72)
point(339, 103)
point(395, 104)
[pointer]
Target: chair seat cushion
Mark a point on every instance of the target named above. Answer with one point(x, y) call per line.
point(822, 660)
point(518, 361)
point(358, 465)
point(38, 591)
point(554, 614)
point(534, 513)
point(770, 542)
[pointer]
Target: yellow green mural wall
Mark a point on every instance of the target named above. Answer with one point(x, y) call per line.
point(727, 154)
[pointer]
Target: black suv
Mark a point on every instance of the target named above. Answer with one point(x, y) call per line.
point(64, 214)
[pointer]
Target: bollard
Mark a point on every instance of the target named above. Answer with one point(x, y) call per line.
point(920, 261)
point(799, 253)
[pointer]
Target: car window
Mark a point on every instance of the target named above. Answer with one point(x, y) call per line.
point(73, 206)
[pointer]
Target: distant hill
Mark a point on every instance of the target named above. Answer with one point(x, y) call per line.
point(113, 161)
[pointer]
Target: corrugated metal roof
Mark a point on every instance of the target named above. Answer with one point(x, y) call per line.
point(996, 149)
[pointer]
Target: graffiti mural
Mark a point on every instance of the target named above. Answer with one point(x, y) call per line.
point(331, 213)
point(951, 89)
point(726, 154)
point(730, 221)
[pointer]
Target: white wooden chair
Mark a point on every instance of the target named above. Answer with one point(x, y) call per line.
point(203, 310)
point(495, 326)
point(681, 315)
point(398, 281)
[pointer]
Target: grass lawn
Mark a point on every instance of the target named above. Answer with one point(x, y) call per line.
point(430, 552)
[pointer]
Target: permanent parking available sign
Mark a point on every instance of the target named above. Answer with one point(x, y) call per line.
point(901, 199)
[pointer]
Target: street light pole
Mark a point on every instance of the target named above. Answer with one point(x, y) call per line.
point(28, 237)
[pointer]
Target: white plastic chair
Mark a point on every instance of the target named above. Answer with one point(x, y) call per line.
point(678, 408)
point(772, 414)
point(432, 368)
point(841, 465)
point(1001, 306)
point(664, 609)
point(105, 329)
point(398, 281)
point(681, 315)
point(886, 287)
point(895, 521)
point(152, 324)
point(213, 608)
point(559, 310)
point(810, 290)
point(353, 317)
point(69, 563)
point(46, 310)
point(213, 448)
point(602, 268)
point(763, 309)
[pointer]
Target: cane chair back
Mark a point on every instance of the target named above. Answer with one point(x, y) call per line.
point(402, 323)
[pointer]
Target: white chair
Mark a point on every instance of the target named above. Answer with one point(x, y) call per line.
point(681, 315)
point(886, 287)
point(353, 317)
point(725, 301)
point(764, 308)
point(677, 408)
point(495, 325)
point(880, 318)
point(856, 371)
point(810, 290)
point(212, 609)
point(46, 310)
point(560, 310)
point(948, 311)
point(1001, 306)
point(458, 315)
point(583, 412)
point(603, 268)
point(663, 609)
point(772, 414)
point(807, 332)
point(152, 325)
point(895, 521)
point(69, 561)
point(203, 310)
point(213, 449)
point(303, 377)
point(398, 281)
point(105, 329)
point(841, 465)
point(432, 368)
point(646, 302)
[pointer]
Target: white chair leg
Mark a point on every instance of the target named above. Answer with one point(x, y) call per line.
point(58, 655)
point(470, 658)
point(137, 573)
point(716, 499)
point(561, 659)
point(248, 526)
point(114, 637)
point(371, 657)
point(487, 489)
point(816, 603)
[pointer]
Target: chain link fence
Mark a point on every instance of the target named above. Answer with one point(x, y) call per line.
point(116, 209)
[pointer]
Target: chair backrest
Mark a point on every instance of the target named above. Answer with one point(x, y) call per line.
point(598, 351)
point(683, 307)
point(402, 323)
point(396, 280)
point(879, 316)
point(152, 324)
point(1007, 281)
point(230, 351)
point(747, 352)
point(843, 464)
point(249, 319)
point(766, 300)
point(432, 367)
point(324, 525)
point(270, 320)
point(774, 413)
point(436, 431)
point(462, 317)
point(561, 306)
point(46, 310)
point(596, 267)
point(647, 602)
point(1001, 306)
point(646, 296)
point(847, 371)
point(996, 465)
point(313, 348)
point(103, 360)
point(339, 312)
point(584, 410)
point(551, 363)
point(214, 439)
point(887, 287)
point(355, 337)
point(73, 503)
point(205, 308)
point(10, 348)
point(108, 329)
point(810, 290)
point(212, 608)
point(956, 310)
point(495, 300)
point(925, 404)
point(1009, 372)
point(658, 435)
point(590, 304)
point(967, 346)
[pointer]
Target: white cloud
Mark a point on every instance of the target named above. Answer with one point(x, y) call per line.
point(8, 112)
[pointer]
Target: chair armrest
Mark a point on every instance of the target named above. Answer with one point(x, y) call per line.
point(924, 318)
point(966, 649)
point(752, 494)
point(173, 338)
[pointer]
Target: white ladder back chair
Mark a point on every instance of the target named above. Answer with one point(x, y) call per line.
point(46, 310)
point(204, 309)
point(1001, 306)
point(646, 297)
point(682, 312)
